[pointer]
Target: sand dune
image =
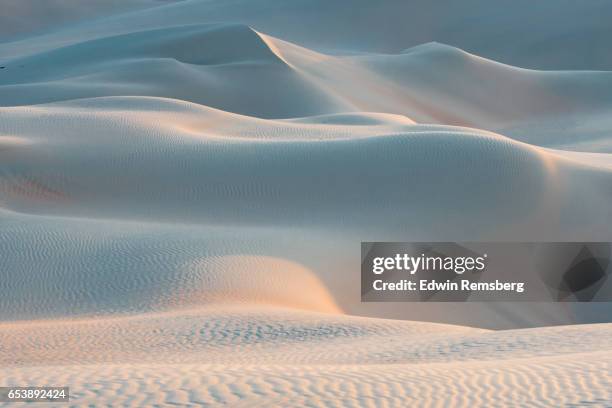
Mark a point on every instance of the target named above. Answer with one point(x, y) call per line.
point(184, 186)
point(287, 358)
point(181, 149)
point(562, 35)
point(246, 184)
point(22, 18)
point(235, 68)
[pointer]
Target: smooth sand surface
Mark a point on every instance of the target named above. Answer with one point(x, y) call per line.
point(184, 186)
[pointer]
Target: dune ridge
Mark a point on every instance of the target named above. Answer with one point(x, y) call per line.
point(184, 186)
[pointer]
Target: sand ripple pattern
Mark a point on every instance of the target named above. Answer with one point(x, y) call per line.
point(184, 185)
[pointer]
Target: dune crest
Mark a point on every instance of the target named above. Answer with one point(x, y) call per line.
point(185, 184)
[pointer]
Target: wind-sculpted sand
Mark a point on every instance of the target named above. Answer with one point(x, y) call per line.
point(263, 356)
point(184, 186)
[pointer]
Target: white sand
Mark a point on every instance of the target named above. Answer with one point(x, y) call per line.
point(183, 191)
point(277, 357)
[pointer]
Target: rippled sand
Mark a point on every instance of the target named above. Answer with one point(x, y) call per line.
point(184, 186)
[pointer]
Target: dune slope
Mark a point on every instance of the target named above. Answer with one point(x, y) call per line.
point(184, 186)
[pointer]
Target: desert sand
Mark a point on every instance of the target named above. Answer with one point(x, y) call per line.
point(184, 186)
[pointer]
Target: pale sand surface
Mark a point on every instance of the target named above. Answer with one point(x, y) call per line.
point(236, 334)
point(261, 356)
point(184, 186)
